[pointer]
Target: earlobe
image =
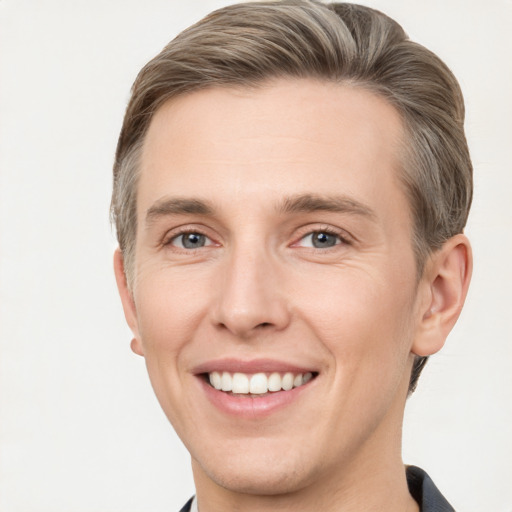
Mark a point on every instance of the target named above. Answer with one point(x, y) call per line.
point(136, 346)
point(446, 280)
point(127, 301)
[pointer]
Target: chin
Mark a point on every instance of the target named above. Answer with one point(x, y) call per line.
point(267, 473)
point(263, 482)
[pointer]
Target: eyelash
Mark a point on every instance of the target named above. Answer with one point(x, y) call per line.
point(343, 238)
point(171, 237)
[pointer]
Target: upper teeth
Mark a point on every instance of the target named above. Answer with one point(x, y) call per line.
point(257, 383)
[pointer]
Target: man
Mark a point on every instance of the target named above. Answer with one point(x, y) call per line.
point(290, 189)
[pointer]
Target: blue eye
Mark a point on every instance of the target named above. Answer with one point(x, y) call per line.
point(320, 240)
point(191, 240)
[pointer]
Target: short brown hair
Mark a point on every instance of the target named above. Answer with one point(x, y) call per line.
point(248, 44)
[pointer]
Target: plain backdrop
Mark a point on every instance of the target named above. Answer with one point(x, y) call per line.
point(80, 429)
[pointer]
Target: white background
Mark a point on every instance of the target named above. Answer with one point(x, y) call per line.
point(80, 429)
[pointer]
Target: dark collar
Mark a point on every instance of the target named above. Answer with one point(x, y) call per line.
point(186, 507)
point(424, 491)
point(421, 487)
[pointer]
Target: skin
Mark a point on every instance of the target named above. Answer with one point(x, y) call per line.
point(354, 312)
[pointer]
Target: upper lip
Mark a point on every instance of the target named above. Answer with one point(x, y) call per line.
point(233, 365)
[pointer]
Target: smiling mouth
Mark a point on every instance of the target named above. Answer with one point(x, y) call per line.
point(257, 384)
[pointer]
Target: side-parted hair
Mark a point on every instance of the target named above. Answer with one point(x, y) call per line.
point(249, 44)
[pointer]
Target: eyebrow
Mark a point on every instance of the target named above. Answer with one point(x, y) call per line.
point(302, 203)
point(178, 206)
point(306, 203)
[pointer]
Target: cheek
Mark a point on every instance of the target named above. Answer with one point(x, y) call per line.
point(169, 307)
point(364, 322)
point(366, 328)
point(168, 311)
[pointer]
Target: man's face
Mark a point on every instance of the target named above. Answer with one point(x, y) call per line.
point(274, 237)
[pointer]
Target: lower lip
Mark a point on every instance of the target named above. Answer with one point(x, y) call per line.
point(252, 406)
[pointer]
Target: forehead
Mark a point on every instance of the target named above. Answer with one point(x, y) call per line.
point(285, 137)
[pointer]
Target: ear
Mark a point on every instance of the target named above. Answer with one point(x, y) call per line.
point(130, 313)
point(444, 288)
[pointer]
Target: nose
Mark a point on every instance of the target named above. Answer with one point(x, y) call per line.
point(251, 298)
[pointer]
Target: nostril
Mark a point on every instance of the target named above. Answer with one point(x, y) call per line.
point(264, 324)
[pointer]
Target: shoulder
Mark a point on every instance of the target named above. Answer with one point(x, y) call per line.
point(424, 491)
